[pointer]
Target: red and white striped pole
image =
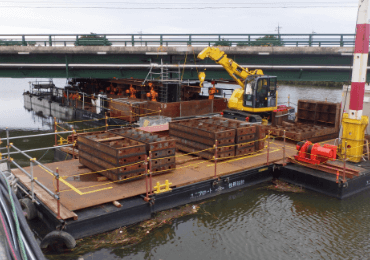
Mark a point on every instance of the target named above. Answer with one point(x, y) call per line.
point(359, 69)
point(354, 123)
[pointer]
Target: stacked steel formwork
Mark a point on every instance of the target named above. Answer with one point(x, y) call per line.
point(316, 120)
point(123, 157)
point(127, 109)
point(161, 150)
point(232, 137)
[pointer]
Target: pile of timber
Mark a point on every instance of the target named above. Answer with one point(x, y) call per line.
point(232, 137)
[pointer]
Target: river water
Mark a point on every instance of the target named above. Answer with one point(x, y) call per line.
point(253, 223)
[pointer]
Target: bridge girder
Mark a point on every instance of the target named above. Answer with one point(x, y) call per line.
point(288, 63)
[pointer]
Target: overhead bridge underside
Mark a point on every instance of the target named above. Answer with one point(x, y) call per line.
point(105, 62)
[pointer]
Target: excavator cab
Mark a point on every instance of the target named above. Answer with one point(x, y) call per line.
point(260, 92)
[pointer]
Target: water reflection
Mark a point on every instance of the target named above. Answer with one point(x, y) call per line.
point(260, 224)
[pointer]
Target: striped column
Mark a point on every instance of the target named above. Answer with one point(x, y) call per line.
point(360, 62)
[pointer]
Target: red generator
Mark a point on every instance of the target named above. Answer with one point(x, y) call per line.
point(314, 153)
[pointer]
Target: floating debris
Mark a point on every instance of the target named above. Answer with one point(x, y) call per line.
point(125, 236)
point(283, 186)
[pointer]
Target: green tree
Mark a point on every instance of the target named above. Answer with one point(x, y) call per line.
point(223, 42)
point(268, 40)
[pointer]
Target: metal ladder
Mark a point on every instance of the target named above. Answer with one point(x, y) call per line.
point(164, 77)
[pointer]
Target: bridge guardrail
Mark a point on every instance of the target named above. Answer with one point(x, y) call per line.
point(71, 40)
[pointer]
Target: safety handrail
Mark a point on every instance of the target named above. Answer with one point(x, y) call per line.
point(58, 40)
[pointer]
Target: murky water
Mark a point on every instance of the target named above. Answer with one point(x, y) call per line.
point(252, 223)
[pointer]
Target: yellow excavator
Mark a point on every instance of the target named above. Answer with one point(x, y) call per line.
point(257, 96)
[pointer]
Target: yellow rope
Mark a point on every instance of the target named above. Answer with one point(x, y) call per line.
point(71, 186)
point(110, 169)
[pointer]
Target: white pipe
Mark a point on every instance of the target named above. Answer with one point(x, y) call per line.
point(28, 136)
point(171, 66)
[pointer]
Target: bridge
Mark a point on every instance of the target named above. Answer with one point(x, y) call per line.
point(301, 57)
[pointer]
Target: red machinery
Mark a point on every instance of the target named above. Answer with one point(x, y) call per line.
point(314, 153)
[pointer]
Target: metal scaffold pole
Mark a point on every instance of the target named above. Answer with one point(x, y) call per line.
point(215, 146)
point(146, 178)
point(8, 146)
point(284, 150)
point(55, 130)
point(268, 148)
point(150, 173)
point(32, 180)
point(58, 194)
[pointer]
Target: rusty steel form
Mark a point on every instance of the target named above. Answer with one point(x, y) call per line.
point(162, 148)
point(232, 137)
point(73, 138)
point(128, 109)
point(189, 132)
point(108, 150)
point(249, 138)
point(315, 121)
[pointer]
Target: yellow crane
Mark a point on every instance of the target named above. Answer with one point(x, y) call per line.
point(257, 96)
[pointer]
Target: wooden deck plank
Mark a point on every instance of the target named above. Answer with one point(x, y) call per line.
point(190, 170)
point(45, 197)
point(70, 151)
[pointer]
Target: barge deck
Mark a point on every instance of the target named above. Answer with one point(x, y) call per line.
point(80, 188)
point(91, 206)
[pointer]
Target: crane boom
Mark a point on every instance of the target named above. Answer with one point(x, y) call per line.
point(238, 73)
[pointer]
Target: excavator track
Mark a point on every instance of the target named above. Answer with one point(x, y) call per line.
point(239, 115)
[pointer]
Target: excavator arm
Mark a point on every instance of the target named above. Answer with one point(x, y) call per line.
point(238, 73)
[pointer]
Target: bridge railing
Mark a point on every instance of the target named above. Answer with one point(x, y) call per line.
point(137, 40)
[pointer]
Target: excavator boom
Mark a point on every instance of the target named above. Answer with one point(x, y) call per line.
point(238, 73)
point(257, 96)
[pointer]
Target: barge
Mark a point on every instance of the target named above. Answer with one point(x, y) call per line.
point(86, 192)
point(71, 199)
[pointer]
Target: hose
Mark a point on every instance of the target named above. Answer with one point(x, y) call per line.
point(21, 245)
point(28, 249)
point(34, 248)
point(10, 222)
point(7, 214)
point(5, 228)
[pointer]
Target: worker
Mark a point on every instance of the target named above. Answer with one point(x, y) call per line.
point(112, 89)
point(261, 95)
point(131, 91)
point(212, 91)
point(153, 94)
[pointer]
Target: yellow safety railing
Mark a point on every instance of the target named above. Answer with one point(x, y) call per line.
point(162, 188)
